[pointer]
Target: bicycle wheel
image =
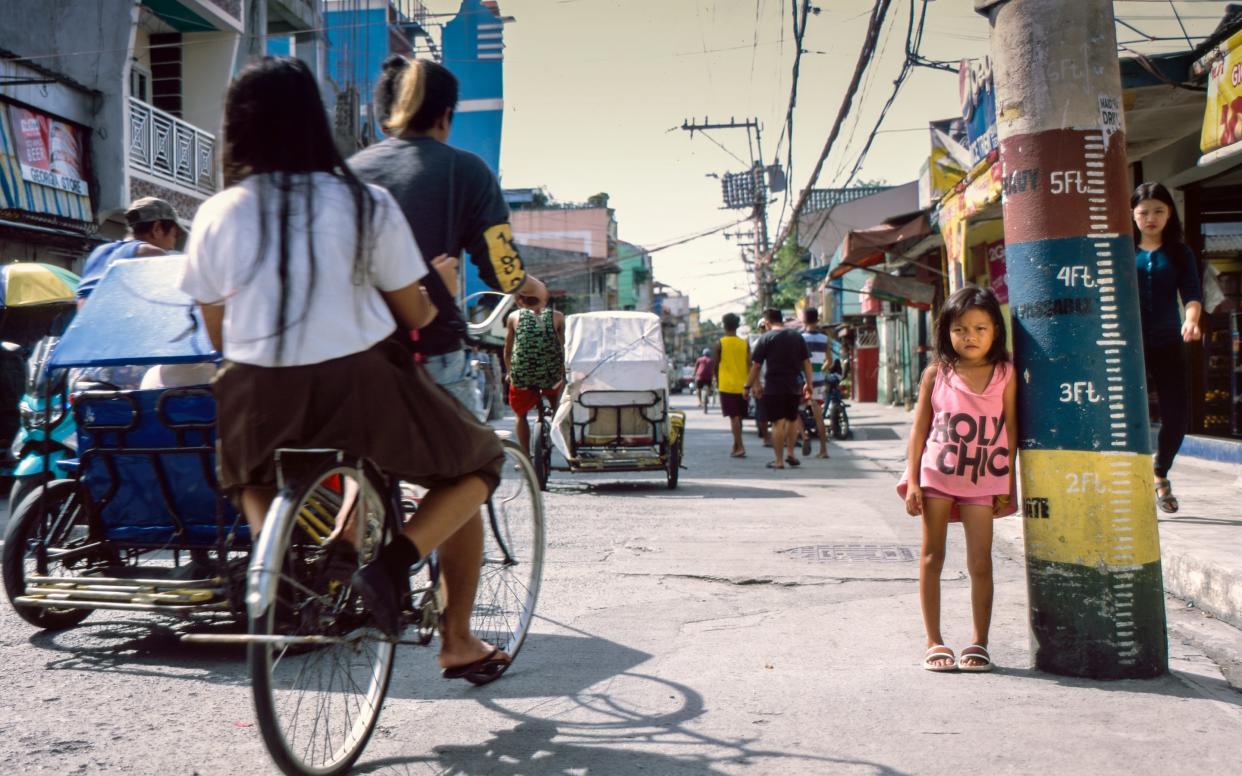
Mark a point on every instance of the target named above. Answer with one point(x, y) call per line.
point(319, 670)
point(541, 454)
point(673, 465)
point(48, 524)
point(512, 556)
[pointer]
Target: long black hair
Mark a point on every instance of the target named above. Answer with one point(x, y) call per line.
point(970, 297)
point(1172, 238)
point(275, 128)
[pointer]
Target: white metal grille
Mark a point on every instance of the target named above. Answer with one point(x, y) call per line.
point(171, 149)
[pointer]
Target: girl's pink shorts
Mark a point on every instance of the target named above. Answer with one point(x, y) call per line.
point(983, 501)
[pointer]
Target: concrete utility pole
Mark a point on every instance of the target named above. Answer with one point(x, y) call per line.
point(759, 212)
point(1093, 553)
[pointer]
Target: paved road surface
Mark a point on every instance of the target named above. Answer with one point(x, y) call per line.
point(748, 622)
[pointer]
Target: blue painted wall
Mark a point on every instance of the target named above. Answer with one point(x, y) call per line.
point(473, 51)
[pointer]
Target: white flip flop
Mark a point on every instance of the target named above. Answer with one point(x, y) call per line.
point(980, 653)
point(939, 651)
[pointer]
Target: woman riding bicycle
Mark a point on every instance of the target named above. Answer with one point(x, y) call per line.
point(302, 273)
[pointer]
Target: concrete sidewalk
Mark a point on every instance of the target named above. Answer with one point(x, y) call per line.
point(1200, 545)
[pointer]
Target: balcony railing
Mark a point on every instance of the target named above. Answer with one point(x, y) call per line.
point(168, 148)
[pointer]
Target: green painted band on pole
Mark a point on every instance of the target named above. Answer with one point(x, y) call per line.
point(1074, 613)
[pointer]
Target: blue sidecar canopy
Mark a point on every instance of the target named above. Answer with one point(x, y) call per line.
point(137, 315)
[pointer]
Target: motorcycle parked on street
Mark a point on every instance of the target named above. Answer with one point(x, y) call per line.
point(48, 433)
point(836, 416)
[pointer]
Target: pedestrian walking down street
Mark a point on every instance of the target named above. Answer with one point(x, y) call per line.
point(761, 417)
point(817, 344)
point(305, 276)
point(704, 371)
point(958, 466)
point(783, 354)
point(732, 356)
point(1165, 266)
point(535, 360)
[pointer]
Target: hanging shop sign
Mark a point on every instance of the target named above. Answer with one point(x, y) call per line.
point(983, 190)
point(992, 255)
point(1222, 117)
point(50, 152)
point(947, 164)
point(978, 98)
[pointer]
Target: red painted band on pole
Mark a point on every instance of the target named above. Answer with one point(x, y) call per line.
point(1064, 183)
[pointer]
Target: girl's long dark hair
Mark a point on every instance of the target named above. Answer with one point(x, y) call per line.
point(275, 128)
point(970, 297)
point(1173, 238)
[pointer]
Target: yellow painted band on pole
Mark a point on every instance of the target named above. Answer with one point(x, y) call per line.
point(1089, 509)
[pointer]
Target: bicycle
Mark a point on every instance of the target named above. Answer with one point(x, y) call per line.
point(541, 442)
point(320, 670)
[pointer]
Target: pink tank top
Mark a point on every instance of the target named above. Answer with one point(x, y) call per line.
point(967, 451)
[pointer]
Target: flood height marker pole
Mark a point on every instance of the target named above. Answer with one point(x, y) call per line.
point(1092, 548)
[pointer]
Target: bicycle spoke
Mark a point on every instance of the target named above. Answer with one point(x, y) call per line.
point(318, 702)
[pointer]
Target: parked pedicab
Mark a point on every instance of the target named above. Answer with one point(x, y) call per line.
point(614, 413)
point(138, 524)
point(120, 526)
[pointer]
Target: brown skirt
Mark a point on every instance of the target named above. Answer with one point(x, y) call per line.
point(377, 404)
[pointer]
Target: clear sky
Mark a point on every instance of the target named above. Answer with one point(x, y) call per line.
point(596, 92)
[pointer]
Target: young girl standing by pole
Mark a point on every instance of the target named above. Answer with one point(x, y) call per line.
point(958, 465)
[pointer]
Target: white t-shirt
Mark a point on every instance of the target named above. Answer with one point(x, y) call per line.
point(341, 318)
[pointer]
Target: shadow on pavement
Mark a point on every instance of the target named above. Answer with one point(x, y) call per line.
point(1168, 685)
point(601, 717)
point(146, 647)
point(548, 665)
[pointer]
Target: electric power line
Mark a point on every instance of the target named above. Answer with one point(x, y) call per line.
point(914, 39)
point(865, 55)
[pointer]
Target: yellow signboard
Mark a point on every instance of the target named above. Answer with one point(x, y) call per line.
point(1222, 118)
point(956, 209)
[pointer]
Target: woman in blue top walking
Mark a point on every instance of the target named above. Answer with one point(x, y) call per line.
point(1166, 267)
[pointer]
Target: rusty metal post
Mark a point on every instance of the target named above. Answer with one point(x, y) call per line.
point(1093, 553)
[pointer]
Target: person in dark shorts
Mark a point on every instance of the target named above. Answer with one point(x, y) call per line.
point(732, 356)
point(783, 354)
point(303, 273)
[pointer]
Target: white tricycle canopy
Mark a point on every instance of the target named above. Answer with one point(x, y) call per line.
point(613, 359)
point(615, 351)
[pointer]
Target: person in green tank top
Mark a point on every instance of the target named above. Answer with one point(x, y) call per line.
point(534, 359)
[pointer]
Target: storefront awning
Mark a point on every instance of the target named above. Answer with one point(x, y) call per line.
point(814, 274)
point(866, 247)
point(904, 290)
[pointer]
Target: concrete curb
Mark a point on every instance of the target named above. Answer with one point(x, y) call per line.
point(1210, 588)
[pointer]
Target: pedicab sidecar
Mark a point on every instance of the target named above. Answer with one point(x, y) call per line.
point(614, 414)
point(136, 522)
